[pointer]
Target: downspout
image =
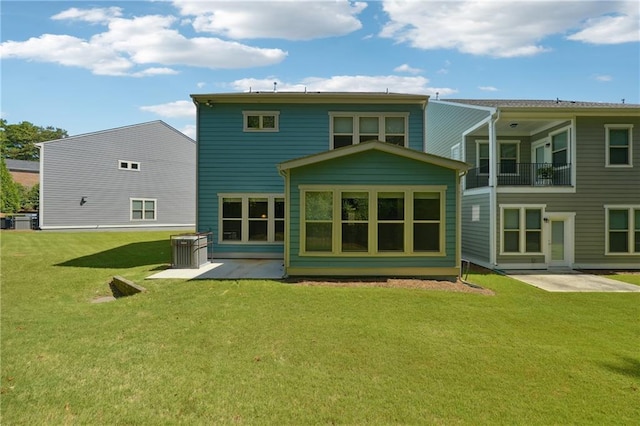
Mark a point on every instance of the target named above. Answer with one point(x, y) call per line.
point(493, 187)
point(41, 183)
point(287, 219)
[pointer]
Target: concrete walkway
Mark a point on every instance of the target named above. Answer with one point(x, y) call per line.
point(233, 269)
point(571, 281)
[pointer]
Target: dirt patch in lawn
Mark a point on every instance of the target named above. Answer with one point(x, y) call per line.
point(412, 283)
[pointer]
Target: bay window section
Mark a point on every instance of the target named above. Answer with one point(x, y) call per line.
point(318, 221)
point(248, 218)
point(355, 221)
point(426, 221)
point(391, 221)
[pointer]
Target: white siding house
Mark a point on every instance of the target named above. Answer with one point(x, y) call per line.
point(138, 176)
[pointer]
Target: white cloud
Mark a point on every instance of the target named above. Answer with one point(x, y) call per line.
point(408, 69)
point(189, 130)
point(129, 45)
point(172, 109)
point(345, 83)
point(96, 15)
point(488, 88)
point(290, 20)
point(604, 78)
point(504, 29)
point(201, 84)
point(620, 27)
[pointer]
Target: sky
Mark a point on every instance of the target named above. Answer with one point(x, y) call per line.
point(87, 66)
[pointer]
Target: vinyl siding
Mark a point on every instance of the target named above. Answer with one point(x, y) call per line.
point(476, 242)
point(596, 187)
point(452, 121)
point(233, 161)
point(87, 166)
point(373, 168)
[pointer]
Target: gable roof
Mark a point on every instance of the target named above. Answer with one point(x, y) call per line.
point(374, 146)
point(311, 98)
point(532, 104)
point(22, 165)
point(149, 123)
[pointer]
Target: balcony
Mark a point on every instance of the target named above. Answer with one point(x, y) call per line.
point(522, 175)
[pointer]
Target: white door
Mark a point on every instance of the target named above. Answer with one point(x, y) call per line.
point(541, 159)
point(560, 240)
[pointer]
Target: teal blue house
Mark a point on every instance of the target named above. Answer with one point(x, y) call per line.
point(334, 184)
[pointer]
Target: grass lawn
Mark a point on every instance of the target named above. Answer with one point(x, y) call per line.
point(263, 352)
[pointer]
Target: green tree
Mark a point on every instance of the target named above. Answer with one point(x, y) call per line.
point(18, 140)
point(29, 197)
point(9, 192)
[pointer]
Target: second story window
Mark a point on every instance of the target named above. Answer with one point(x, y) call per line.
point(128, 165)
point(560, 148)
point(618, 140)
point(509, 153)
point(261, 121)
point(353, 128)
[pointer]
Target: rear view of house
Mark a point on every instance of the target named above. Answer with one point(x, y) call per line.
point(332, 183)
point(138, 177)
point(553, 184)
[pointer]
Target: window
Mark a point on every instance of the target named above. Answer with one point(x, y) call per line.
point(623, 229)
point(128, 165)
point(560, 148)
point(521, 229)
point(318, 222)
point(508, 153)
point(261, 121)
point(143, 209)
point(483, 157)
point(619, 143)
point(248, 218)
point(351, 128)
point(369, 221)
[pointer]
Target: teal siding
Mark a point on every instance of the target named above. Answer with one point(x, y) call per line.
point(372, 168)
point(233, 161)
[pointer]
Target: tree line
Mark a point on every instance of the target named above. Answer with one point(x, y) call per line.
point(18, 142)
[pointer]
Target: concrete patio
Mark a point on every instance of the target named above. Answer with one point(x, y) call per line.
point(571, 281)
point(223, 269)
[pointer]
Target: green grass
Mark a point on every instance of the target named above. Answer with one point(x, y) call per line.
point(263, 352)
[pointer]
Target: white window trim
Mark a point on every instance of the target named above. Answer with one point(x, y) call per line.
point(631, 229)
point(373, 190)
point(500, 142)
point(271, 219)
point(522, 244)
point(155, 209)
point(261, 114)
point(568, 130)
point(629, 128)
point(355, 116)
point(128, 165)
